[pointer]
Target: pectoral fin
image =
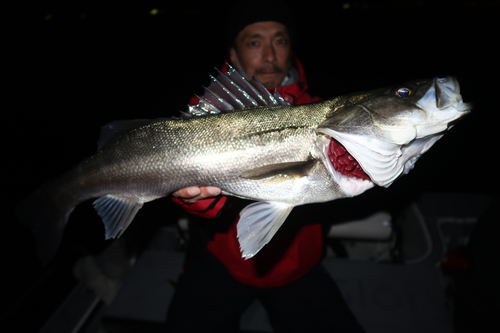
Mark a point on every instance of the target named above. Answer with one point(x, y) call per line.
point(281, 172)
point(116, 213)
point(258, 223)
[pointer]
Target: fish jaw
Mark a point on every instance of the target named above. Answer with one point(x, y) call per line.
point(443, 102)
point(387, 134)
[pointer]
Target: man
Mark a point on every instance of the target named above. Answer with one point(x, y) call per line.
point(218, 285)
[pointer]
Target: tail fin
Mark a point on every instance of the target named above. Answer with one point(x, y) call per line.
point(46, 219)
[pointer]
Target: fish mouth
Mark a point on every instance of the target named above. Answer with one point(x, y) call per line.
point(344, 163)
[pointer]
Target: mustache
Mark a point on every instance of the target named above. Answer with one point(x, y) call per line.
point(269, 68)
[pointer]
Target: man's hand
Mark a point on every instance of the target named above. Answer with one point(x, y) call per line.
point(195, 193)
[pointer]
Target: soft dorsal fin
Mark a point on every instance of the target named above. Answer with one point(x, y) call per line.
point(231, 91)
point(115, 128)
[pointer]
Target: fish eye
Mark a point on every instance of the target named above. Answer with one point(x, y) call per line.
point(403, 92)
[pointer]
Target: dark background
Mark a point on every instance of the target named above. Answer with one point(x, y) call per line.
point(70, 69)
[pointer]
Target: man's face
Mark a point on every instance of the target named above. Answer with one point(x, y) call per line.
point(263, 50)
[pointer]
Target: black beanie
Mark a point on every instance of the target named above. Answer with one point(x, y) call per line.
point(249, 12)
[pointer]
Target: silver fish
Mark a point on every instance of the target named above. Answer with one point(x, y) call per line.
point(254, 146)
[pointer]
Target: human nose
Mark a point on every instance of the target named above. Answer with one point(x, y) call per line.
point(269, 54)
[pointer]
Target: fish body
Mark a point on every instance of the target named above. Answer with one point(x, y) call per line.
point(256, 148)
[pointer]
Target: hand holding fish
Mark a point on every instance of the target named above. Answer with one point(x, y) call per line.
point(195, 193)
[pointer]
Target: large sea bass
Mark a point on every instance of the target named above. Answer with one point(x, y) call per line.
point(255, 146)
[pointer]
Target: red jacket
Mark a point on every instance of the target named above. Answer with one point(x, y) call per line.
point(291, 253)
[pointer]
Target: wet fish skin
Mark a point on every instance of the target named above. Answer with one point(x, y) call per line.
point(211, 150)
point(273, 154)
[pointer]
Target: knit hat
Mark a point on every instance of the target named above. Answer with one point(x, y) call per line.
point(247, 12)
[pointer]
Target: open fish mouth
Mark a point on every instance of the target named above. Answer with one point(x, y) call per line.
point(344, 163)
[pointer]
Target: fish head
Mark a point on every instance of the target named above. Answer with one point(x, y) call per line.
point(380, 138)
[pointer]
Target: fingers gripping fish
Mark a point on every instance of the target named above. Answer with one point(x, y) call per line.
point(253, 145)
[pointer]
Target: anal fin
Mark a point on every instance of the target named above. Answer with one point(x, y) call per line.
point(116, 213)
point(258, 223)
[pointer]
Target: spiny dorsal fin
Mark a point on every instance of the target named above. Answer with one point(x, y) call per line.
point(230, 91)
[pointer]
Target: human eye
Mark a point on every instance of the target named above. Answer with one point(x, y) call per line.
point(281, 41)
